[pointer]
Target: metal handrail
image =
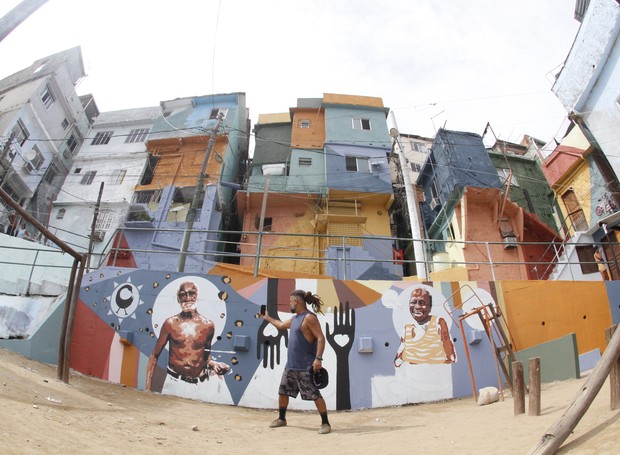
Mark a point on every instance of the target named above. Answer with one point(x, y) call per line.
point(317, 255)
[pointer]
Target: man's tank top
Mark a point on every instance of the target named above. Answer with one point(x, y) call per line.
point(301, 353)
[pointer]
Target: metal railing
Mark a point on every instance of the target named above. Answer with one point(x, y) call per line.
point(492, 254)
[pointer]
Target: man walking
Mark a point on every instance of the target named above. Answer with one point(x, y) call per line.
point(305, 355)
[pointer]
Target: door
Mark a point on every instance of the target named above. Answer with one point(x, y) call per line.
point(575, 213)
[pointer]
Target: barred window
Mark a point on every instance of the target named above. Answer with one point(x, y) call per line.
point(138, 135)
point(117, 177)
point(47, 97)
point(72, 143)
point(104, 220)
point(102, 138)
point(88, 178)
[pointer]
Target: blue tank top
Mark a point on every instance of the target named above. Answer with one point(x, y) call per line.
point(301, 353)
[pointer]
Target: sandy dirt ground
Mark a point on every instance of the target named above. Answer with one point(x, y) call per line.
point(42, 415)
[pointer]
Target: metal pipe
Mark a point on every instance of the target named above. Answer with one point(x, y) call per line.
point(490, 260)
point(71, 319)
point(412, 206)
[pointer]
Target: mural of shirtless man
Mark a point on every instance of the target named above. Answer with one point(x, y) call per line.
point(188, 335)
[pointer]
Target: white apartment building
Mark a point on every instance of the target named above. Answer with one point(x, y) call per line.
point(42, 123)
point(113, 155)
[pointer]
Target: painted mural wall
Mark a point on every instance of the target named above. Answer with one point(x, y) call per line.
point(128, 330)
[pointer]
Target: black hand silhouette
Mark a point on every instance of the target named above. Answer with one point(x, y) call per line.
point(344, 324)
point(270, 343)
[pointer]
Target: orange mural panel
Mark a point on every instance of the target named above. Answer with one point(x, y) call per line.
point(546, 310)
point(130, 364)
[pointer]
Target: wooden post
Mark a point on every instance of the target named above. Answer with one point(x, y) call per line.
point(518, 388)
point(559, 431)
point(614, 374)
point(534, 387)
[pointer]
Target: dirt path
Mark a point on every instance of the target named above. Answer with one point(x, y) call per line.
point(41, 415)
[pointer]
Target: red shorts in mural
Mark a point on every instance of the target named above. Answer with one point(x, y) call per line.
point(297, 381)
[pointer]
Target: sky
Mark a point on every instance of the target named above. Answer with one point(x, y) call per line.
point(451, 63)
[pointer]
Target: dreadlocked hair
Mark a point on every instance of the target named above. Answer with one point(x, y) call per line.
point(311, 299)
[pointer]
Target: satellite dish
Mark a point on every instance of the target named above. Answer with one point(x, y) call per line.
point(31, 155)
point(393, 132)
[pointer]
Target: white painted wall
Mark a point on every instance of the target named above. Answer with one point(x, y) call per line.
point(25, 261)
point(589, 84)
point(79, 199)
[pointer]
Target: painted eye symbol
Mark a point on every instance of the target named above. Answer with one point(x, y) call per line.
point(121, 302)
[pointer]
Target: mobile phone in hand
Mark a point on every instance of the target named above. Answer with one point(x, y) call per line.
point(263, 310)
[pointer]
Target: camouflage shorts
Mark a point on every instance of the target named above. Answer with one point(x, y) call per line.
point(295, 381)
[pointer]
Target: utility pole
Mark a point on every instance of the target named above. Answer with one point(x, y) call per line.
point(198, 193)
point(17, 15)
point(261, 226)
point(412, 206)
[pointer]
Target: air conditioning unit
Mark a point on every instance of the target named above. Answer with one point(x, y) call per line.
point(510, 242)
point(98, 236)
point(434, 203)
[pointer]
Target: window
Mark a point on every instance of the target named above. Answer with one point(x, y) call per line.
point(305, 161)
point(304, 123)
point(117, 176)
point(50, 174)
point(20, 133)
point(138, 135)
point(72, 143)
point(47, 98)
point(88, 178)
point(577, 216)
point(415, 167)
point(147, 197)
point(181, 202)
point(361, 123)
point(149, 170)
point(37, 159)
point(61, 214)
point(14, 194)
point(215, 112)
point(267, 223)
point(417, 146)
point(354, 164)
point(104, 220)
point(102, 138)
point(585, 253)
point(503, 176)
point(435, 189)
point(64, 124)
